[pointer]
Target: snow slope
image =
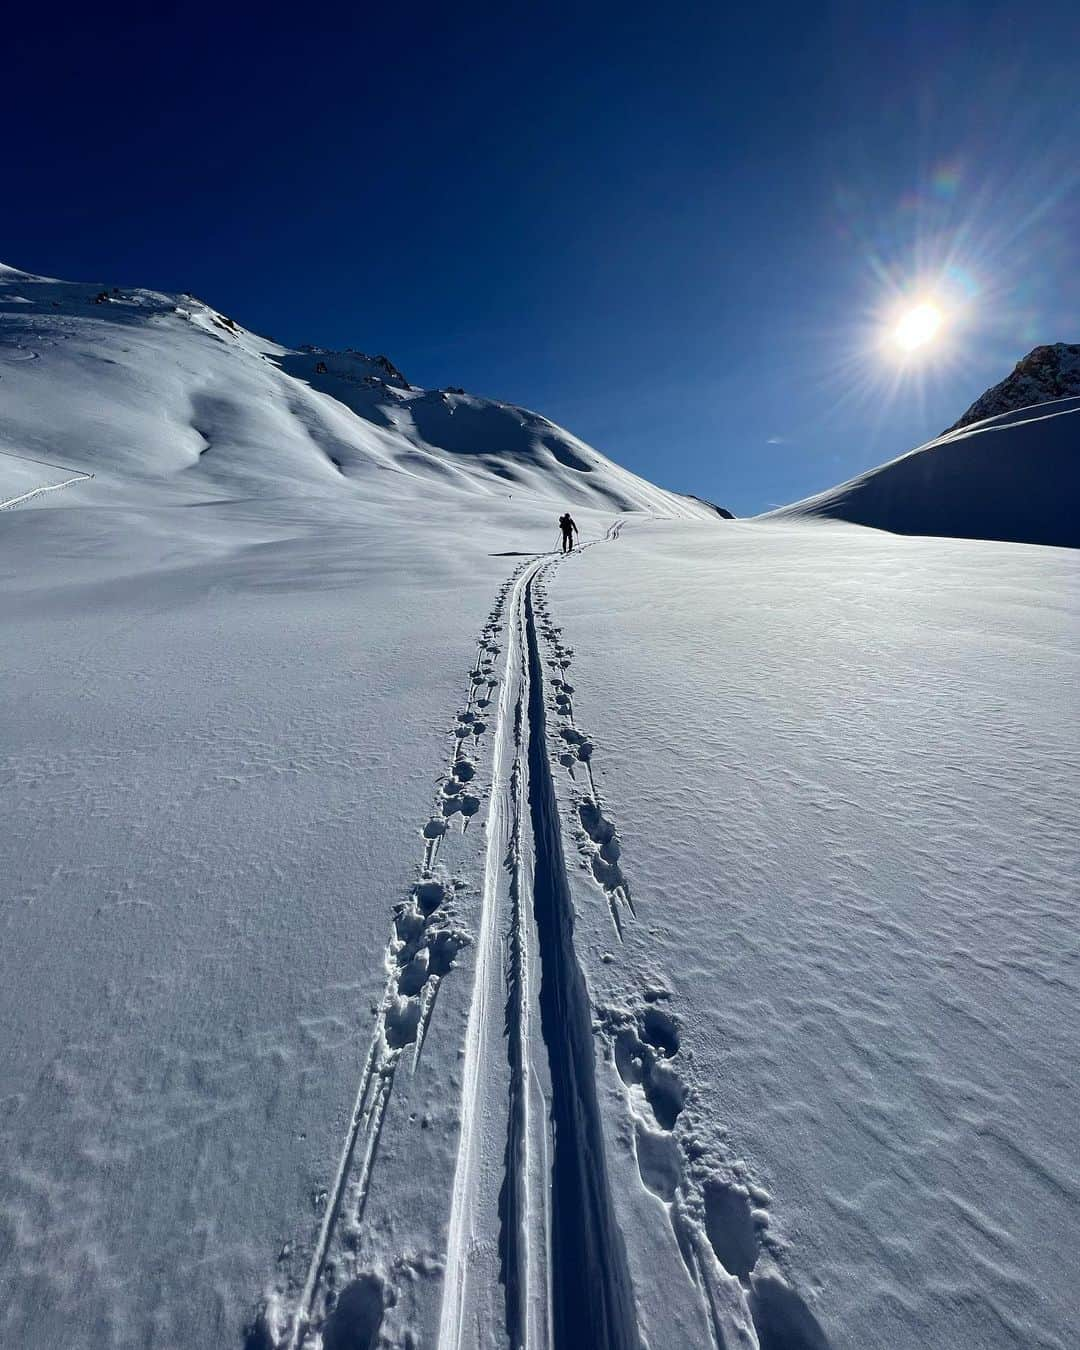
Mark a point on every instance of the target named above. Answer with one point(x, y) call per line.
point(141, 389)
point(412, 938)
point(842, 768)
point(1015, 476)
point(219, 748)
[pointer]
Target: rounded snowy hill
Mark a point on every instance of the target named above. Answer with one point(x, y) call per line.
point(1014, 477)
point(142, 388)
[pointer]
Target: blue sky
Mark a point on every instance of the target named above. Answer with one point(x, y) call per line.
point(680, 231)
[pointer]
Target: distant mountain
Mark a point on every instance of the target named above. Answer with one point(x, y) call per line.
point(1014, 476)
point(1045, 374)
point(154, 393)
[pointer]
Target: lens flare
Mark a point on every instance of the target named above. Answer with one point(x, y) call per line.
point(918, 326)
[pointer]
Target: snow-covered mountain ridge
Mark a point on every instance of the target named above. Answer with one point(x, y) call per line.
point(144, 387)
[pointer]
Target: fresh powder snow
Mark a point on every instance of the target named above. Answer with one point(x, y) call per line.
point(412, 937)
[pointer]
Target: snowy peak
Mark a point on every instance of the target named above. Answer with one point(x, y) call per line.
point(1045, 374)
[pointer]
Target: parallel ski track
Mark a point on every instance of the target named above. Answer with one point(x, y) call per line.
point(561, 1257)
point(502, 875)
point(562, 1260)
point(529, 1070)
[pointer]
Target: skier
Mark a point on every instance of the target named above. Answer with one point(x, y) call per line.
point(569, 529)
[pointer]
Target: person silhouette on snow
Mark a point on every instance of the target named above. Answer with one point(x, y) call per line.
point(569, 529)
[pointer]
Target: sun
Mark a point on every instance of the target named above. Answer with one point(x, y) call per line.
point(918, 326)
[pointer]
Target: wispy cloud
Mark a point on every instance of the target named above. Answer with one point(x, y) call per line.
point(777, 440)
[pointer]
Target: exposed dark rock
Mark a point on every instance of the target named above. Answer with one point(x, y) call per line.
point(1045, 374)
point(721, 511)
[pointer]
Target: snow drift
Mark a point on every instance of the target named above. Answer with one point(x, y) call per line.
point(1013, 477)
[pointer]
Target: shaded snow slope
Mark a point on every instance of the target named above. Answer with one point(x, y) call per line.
point(1043, 376)
point(1012, 477)
point(147, 390)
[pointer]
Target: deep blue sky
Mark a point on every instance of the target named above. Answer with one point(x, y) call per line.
point(670, 228)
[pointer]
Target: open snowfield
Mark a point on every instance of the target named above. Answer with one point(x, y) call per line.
point(843, 767)
point(215, 774)
point(412, 938)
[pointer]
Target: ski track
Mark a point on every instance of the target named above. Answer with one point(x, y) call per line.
point(423, 944)
point(506, 970)
point(529, 1077)
point(561, 1259)
point(504, 886)
point(719, 1217)
point(592, 1299)
point(79, 477)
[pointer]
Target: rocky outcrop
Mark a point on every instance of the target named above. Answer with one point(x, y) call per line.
point(721, 511)
point(1045, 374)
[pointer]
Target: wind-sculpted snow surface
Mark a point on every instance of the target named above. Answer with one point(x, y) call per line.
point(730, 1290)
point(424, 942)
point(843, 769)
point(726, 998)
point(1015, 477)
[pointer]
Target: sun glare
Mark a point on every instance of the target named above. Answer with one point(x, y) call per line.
point(917, 326)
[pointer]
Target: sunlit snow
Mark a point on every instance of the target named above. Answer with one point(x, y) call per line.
point(413, 938)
